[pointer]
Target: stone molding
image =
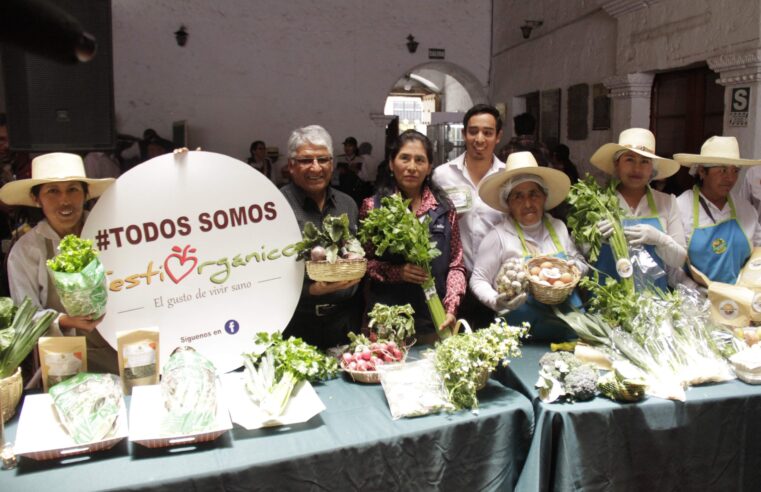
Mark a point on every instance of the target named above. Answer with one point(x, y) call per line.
point(630, 86)
point(617, 8)
point(737, 68)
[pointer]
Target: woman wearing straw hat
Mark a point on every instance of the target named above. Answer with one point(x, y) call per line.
point(651, 217)
point(721, 229)
point(524, 192)
point(59, 186)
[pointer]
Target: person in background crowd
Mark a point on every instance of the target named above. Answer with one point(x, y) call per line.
point(369, 171)
point(560, 160)
point(60, 187)
point(459, 178)
point(651, 217)
point(394, 282)
point(154, 145)
point(258, 158)
point(523, 192)
point(101, 165)
point(524, 126)
point(20, 165)
point(326, 311)
point(348, 166)
point(750, 188)
point(721, 229)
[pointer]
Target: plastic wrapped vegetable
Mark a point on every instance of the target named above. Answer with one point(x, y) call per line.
point(512, 279)
point(79, 278)
point(88, 405)
point(189, 388)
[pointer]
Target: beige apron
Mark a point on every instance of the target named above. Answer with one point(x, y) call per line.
point(101, 357)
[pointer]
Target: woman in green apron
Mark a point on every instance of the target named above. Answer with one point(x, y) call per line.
point(524, 192)
point(651, 217)
point(60, 188)
point(722, 229)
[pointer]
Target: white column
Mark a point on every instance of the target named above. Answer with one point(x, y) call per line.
point(737, 71)
point(630, 101)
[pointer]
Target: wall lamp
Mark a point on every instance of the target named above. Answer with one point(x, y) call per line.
point(529, 26)
point(411, 44)
point(181, 35)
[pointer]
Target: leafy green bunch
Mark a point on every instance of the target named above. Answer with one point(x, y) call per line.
point(464, 360)
point(18, 337)
point(613, 301)
point(75, 254)
point(394, 228)
point(296, 356)
point(335, 236)
point(392, 322)
point(590, 203)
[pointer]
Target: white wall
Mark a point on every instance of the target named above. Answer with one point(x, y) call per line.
point(585, 41)
point(257, 70)
point(576, 44)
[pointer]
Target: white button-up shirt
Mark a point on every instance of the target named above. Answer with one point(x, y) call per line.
point(474, 217)
point(747, 216)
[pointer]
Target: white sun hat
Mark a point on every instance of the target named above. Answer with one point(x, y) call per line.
point(521, 167)
point(716, 151)
point(640, 141)
point(52, 168)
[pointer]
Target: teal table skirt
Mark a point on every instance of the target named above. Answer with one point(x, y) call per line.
point(353, 445)
point(712, 441)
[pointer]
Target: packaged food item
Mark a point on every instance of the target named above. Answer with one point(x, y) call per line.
point(189, 389)
point(88, 405)
point(138, 352)
point(414, 389)
point(61, 358)
point(750, 274)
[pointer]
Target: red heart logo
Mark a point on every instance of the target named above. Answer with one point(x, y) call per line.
point(181, 255)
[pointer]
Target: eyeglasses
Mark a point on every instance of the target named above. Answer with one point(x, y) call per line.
point(307, 161)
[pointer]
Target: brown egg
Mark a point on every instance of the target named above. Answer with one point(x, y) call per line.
point(535, 270)
point(546, 264)
point(567, 278)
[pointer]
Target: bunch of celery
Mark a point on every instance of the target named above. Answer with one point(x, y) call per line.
point(394, 228)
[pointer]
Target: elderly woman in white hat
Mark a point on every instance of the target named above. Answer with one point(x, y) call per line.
point(60, 188)
point(524, 192)
point(651, 217)
point(721, 229)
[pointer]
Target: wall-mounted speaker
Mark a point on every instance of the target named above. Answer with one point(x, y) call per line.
point(54, 106)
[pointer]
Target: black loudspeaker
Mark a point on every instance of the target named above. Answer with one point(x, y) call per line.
point(54, 106)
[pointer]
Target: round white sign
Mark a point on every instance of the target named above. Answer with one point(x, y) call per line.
point(201, 246)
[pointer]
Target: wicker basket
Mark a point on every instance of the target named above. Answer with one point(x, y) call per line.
point(552, 294)
point(367, 377)
point(10, 394)
point(341, 270)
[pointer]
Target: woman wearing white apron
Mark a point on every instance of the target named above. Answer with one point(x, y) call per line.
point(524, 191)
point(651, 218)
point(59, 186)
point(721, 228)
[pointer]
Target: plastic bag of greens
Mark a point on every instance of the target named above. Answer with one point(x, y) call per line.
point(79, 278)
point(88, 405)
point(645, 270)
point(413, 389)
point(189, 388)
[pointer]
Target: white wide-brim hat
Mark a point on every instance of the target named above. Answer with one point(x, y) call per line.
point(640, 141)
point(716, 151)
point(556, 183)
point(52, 168)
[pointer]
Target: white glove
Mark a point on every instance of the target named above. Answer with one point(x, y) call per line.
point(605, 227)
point(643, 234)
point(505, 303)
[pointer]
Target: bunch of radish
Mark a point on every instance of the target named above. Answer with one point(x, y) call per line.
point(368, 357)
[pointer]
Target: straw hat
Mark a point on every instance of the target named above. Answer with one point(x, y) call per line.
point(716, 151)
point(52, 168)
point(556, 183)
point(640, 141)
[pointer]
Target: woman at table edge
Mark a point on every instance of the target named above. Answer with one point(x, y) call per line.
point(60, 188)
point(394, 282)
point(651, 217)
point(524, 192)
point(721, 227)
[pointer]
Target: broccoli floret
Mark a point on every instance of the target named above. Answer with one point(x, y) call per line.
point(581, 383)
point(558, 364)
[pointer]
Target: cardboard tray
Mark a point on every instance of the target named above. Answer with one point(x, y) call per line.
point(302, 406)
point(41, 436)
point(145, 410)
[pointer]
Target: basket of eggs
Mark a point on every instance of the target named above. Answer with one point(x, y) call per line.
point(551, 280)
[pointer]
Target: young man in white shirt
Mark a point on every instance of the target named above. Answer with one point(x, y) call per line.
point(459, 178)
